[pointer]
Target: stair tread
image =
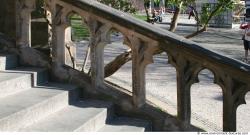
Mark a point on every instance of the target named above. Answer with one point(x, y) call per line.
point(25, 70)
point(4, 76)
point(4, 55)
point(71, 117)
point(25, 99)
point(124, 124)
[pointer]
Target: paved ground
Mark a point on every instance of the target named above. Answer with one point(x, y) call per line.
point(161, 77)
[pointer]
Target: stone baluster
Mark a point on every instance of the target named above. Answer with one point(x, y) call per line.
point(61, 36)
point(99, 38)
point(23, 22)
point(142, 55)
point(229, 109)
point(187, 74)
point(233, 95)
point(229, 113)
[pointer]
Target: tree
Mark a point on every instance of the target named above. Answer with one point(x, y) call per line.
point(209, 12)
point(146, 7)
point(178, 6)
point(123, 5)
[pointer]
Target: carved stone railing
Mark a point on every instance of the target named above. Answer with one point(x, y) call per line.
point(144, 39)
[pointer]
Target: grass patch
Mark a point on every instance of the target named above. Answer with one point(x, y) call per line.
point(79, 30)
point(141, 17)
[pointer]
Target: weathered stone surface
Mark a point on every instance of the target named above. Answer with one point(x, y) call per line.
point(32, 57)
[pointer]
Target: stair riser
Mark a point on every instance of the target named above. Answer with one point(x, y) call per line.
point(40, 77)
point(8, 62)
point(13, 86)
point(94, 123)
point(34, 113)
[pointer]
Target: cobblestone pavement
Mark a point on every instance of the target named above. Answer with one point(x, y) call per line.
point(206, 97)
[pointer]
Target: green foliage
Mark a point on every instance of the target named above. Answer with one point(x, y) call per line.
point(177, 2)
point(204, 13)
point(123, 5)
point(208, 11)
point(79, 30)
point(157, 3)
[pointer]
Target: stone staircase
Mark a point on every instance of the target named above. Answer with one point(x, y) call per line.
point(28, 102)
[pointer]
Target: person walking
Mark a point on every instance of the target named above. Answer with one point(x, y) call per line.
point(191, 12)
point(246, 39)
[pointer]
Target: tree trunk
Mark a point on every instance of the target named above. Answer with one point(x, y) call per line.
point(174, 21)
point(117, 63)
point(146, 10)
point(213, 13)
point(148, 17)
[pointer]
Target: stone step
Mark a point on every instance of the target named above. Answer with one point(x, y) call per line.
point(39, 75)
point(124, 124)
point(20, 79)
point(89, 115)
point(27, 107)
point(11, 83)
point(8, 61)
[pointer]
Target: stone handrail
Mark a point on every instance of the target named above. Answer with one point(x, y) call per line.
point(144, 39)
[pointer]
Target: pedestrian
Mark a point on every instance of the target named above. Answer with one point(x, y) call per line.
point(246, 39)
point(191, 12)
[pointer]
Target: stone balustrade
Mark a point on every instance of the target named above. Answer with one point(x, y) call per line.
point(144, 40)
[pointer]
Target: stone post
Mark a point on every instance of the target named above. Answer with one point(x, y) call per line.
point(229, 114)
point(183, 97)
point(23, 22)
point(186, 76)
point(142, 55)
point(99, 38)
point(61, 37)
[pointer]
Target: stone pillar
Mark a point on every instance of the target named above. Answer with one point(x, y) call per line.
point(229, 113)
point(232, 96)
point(138, 74)
point(142, 55)
point(58, 47)
point(187, 74)
point(183, 97)
point(97, 64)
point(63, 49)
point(99, 38)
point(23, 22)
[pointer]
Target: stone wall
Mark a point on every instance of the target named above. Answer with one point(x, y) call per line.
point(7, 17)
